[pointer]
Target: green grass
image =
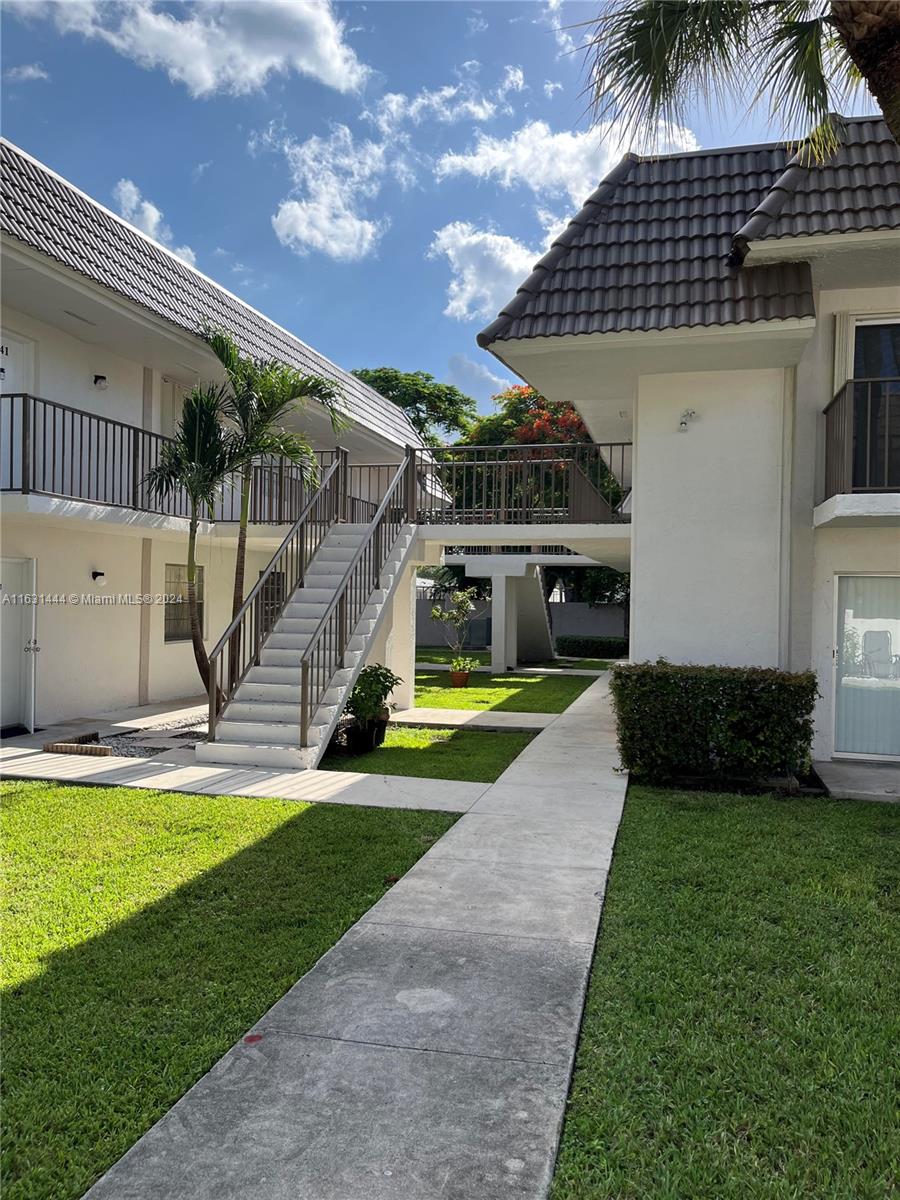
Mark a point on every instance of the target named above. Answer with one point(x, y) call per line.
point(741, 1026)
point(440, 654)
point(143, 933)
point(501, 693)
point(464, 754)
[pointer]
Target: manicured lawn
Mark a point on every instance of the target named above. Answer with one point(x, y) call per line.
point(440, 654)
point(144, 932)
point(741, 1027)
point(437, 754)
point(504, 693)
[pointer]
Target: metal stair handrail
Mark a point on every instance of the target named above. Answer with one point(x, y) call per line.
point(328, 644)
point(267, 599)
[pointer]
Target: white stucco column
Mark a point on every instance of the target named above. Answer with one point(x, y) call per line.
point(394, 644)
point(504, 623)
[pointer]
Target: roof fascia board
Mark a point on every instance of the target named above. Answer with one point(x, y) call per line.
point(797, 249)
point(638, 338)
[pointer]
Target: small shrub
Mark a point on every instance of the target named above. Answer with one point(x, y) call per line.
point(714, 722)
point(576, 646)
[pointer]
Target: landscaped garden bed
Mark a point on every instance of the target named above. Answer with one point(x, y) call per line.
point(479, 756)
point(144, 933)
point(741, 1025)
point(501, 693)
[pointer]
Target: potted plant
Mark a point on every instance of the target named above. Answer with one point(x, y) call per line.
point(456, 621)
point(460, 669)
point(368, 707)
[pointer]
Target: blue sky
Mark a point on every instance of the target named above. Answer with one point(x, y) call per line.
point(376, 177)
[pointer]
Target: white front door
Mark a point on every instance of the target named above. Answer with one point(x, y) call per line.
point(17, 650)
point(867, 666)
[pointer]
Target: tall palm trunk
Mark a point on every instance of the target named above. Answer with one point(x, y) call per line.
point(237, 598)
point(241, 557)
point(200, 655)
point(870, 31)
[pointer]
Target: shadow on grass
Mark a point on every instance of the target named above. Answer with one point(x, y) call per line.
point(115, 1029)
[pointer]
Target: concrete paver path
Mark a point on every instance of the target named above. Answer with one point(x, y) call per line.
point(428, 1054)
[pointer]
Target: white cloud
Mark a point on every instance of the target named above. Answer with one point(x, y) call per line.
point(144, 215)
point(550, 87)
point(474, 378)
point(486, 268)
point(462, 101)
point(552, 16)
point(198, 171)
point(217, 45)
point(332, 179)
point(549, 163)
point(476, 24)
point(26, 73)
point(513, 81)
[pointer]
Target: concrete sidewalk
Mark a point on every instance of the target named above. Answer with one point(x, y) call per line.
point(178, 771)
point(476, 718)
point(428, 1054)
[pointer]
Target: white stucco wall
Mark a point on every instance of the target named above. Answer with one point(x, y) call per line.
point(89, 659)
point(65, 368)
point(707, 517)
point(840, 551)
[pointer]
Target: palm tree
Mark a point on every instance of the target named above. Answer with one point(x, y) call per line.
point(197, 460)
point(261, 393)
point(648, 60)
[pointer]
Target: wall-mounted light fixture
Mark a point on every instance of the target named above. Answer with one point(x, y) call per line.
point(688, 415)
point(101, 382)
point(99, 577)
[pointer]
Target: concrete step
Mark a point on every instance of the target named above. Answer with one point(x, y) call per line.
point(334, 554)
point(278, 733)
point(251, 754)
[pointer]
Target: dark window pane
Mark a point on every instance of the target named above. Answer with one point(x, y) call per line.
point(877, 351)
point(177, 614)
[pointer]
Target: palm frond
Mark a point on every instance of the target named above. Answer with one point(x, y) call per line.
point(202, 451)
point(651, 61)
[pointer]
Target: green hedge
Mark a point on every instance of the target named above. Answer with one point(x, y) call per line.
point(592, 647)
point(676, 721)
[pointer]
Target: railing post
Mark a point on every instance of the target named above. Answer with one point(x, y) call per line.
point(281, 516)
point(26, 444)
point(304, 703)
point(848, 414)
point(412, 485)
point(135, 468)
point(213, 700)
point(341, 486)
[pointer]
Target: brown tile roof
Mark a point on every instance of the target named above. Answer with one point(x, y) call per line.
point(659, 243)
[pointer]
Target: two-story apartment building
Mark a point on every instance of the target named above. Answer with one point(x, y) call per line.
point(99, 344)
point(736, 313)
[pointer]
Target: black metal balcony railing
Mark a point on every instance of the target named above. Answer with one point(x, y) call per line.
point(862, 438)
point(531, 484)
point(51, 449)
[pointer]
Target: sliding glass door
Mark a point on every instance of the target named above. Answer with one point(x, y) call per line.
point(867, 676)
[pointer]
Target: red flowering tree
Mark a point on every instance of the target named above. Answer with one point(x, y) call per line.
point(525, 417)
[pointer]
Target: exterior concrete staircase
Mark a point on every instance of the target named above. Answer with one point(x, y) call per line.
point(261, 724)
